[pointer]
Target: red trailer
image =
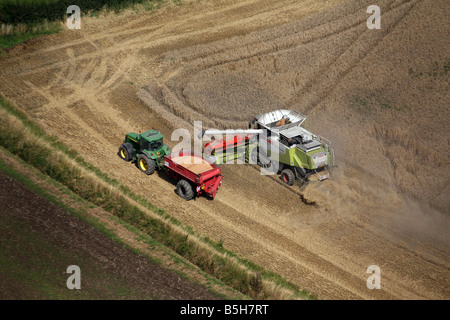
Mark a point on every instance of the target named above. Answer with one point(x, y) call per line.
point(194, 174)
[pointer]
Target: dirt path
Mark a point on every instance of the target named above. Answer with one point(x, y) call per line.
point(224, 62)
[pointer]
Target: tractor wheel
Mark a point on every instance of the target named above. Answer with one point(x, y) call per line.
point(126, 152)
point(184, 190)
point(288, 176)
point(145, 164)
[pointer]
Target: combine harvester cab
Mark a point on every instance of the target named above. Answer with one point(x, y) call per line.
point(300, 154)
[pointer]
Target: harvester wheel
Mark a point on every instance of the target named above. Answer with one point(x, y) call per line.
point(184, 190)
point(126, 152)
point(145, 164)
point(288, 176)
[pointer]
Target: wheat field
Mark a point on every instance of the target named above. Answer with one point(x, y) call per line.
point(381, 97)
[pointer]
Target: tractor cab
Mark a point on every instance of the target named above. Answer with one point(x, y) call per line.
point(151, 142)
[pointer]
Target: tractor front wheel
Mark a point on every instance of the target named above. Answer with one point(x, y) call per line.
point(184, 190)
point(288, 177)
point(145, 164)
point(126, 152)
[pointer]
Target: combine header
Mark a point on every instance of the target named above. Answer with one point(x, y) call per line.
point(238, 144)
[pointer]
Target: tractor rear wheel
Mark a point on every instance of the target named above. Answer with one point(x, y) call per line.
point(126, 152)
point(184, 190)
point(288, 177)
point(145, 164)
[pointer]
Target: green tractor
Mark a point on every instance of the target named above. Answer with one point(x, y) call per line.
point(147, 150)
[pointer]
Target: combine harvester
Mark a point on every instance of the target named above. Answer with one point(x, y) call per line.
point(288, 146)
point(149, 153)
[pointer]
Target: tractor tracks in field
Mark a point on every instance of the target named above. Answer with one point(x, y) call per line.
point(292, 189)
point(172, 97)
point(222, 53)
point(90, 62)
point(309, 264)
point(136, 31)
point(301, 265)
point(202, 58)
point(322, 85)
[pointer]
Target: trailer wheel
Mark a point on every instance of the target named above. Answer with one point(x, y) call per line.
point(145, 164)
point(184, 190)
point(126, 152)
point(287, 176)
